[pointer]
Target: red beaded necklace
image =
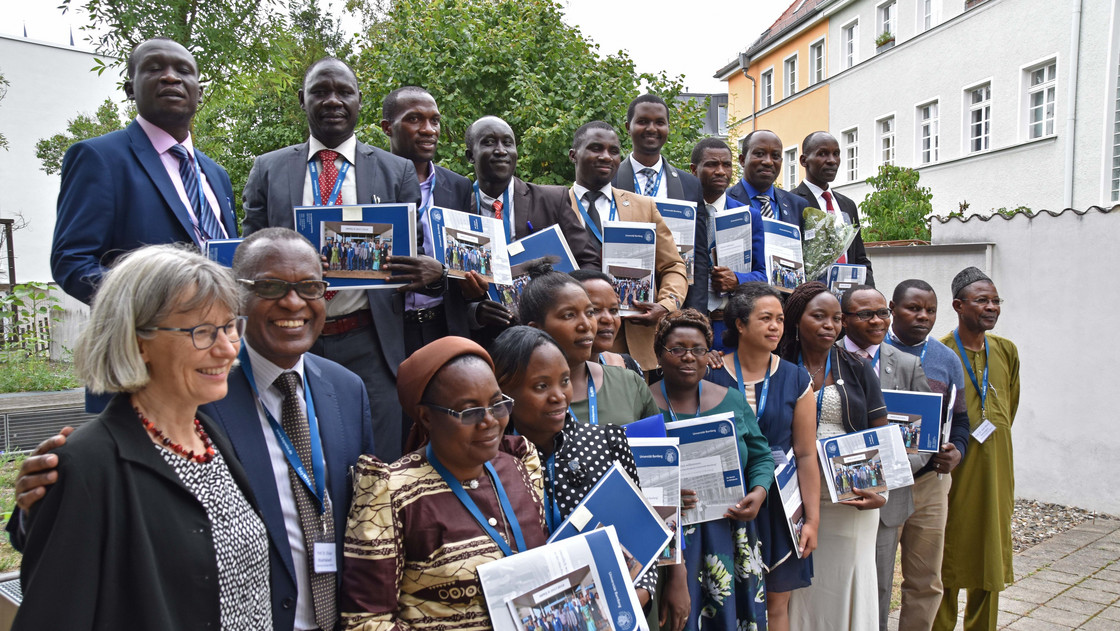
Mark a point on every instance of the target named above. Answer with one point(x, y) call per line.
point(202, 458)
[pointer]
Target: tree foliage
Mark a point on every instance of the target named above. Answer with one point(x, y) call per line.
point(898, 209)
point(515, 59)
point(107, 118)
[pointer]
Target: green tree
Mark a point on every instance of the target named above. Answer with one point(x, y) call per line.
point(515, 59)
point(107, 118)
point(898, 208)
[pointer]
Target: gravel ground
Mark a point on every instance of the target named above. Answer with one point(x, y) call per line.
point(1034, 522)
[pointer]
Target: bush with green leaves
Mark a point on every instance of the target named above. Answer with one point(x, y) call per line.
point(898, 209)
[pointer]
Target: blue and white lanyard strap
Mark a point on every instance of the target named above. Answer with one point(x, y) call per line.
point(505, 209)
point(318, 463)
point(765, 385)
point(431, 192)
point(315, 192)
point(587, 218)
point(551, 509)
point(592, 410)
point(981, 388)
point(894, 341)
point(669, 404)
point(656, 184)
point(457, 488)
point(824, 379)
point(875, 360)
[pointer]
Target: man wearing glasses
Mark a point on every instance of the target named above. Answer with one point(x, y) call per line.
point(982, 498)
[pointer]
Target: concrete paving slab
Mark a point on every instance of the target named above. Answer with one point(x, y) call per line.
point(1059, 616)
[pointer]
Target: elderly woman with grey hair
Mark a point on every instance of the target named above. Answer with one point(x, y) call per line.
point(151, 524)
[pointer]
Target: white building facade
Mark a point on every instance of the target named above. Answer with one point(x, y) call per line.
point(48, 86)
point(998, 104)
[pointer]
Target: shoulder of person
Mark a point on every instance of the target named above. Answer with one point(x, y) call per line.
point(1003, 343)
point(454, 178)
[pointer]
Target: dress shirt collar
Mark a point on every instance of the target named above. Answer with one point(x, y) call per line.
point(160, 139)
point(816, 189)
point(348, 149)
point(851, 346)
point(752, 193)
point(487, 201)
point(720, 204)
point(580, 190)
point(638, 166)
point(266, 372)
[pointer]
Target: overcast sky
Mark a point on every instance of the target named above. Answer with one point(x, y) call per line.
point(693, 38)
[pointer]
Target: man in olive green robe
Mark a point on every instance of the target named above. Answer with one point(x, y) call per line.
point(982, 498)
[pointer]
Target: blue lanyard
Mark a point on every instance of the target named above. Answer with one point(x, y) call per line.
point(669, 404)
point(317, 461)
point(431, 191)
point(765, 384)
point(505, 209)
point(503, 499)
point(592, 410)
point(893, 341)
point(316, 197)
point(551, 509)
point(820, 393)
point(656, 184)
point(587, 218)
point(981, 389)
point(875, 360)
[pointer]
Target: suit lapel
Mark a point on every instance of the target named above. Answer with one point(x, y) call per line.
point(522, 208)
point(363, 158)
point(675, 188)
point(225, 204)
point(624, 178)
point(237, 415)
point(328, 415)
point(295, 168)
point(146, 154)
point(888, 373)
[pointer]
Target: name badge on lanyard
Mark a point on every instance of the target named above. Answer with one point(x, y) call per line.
point(986, 427)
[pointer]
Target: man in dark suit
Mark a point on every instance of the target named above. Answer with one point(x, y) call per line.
point(411, 120)
point(820, 155)
point(278, 334)
point(711, 164)
point(761, 158)
point(364, 330)
point(646, 172)
point(140, 185)
point(492, 149)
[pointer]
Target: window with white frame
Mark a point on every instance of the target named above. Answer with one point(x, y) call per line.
point(979, 102)
point(851, 153)
point(849, 43)
point(1042, 88)
point(928, 132)
point(925, 15)
point(886, 140)
point(767, 89)
point(791, 76)
point(1116, 140)
point(816, 62)
point(887, 12)
point(790, 160)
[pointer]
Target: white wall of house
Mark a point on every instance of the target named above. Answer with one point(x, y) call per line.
point(48, 86)
point(1055, 273)
point(969, 49)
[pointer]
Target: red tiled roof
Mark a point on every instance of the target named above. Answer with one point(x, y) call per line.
point(796, 10)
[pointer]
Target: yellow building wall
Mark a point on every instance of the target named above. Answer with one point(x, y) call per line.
point(792, 116)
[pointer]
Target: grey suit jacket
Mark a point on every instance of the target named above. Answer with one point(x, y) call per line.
point(275, 185)
point(900, 371)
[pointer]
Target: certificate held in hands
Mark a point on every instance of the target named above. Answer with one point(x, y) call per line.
point(616, 500)
point(710, 465)
point(358, 240)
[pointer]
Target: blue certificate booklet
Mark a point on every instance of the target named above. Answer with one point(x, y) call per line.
point(785, 262)
point(221, 250)
point(466, 242)
point(583, 578)
point(843, 276)
point(648, 427)
point(357, 240)
point(548, 243)
point(918, 415)
point(710, 465)
point(680, 218)
point(630, 256)
point(733, 240)
point(616, 501)
point(659, 468)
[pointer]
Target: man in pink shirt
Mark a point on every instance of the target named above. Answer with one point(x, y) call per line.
point(144, 184)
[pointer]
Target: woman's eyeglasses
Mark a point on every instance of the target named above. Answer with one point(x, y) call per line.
point(474, 416)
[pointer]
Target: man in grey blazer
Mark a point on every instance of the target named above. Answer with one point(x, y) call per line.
point(866, 321)
point(364, 330)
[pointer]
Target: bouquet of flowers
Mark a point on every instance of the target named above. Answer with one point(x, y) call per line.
point(825, 238)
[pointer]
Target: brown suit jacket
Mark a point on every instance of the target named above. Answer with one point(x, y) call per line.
point(537, 206)
point(672, 284)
